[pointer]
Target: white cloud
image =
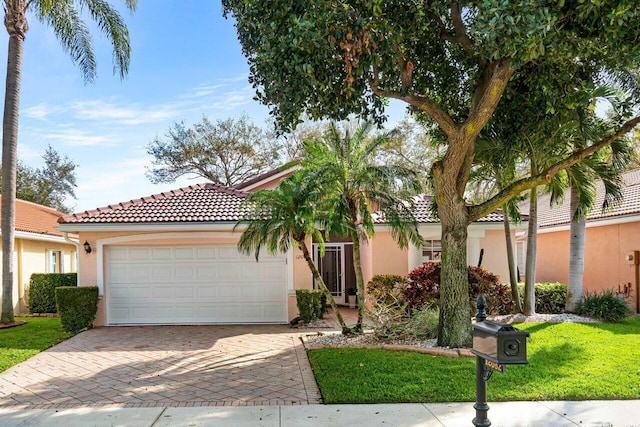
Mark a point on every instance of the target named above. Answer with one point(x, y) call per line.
point(129, 115)
point(77, 138)
point(40, 111)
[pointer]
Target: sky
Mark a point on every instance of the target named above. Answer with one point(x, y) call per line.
point(186, 62)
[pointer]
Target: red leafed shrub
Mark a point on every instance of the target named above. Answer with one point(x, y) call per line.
point(424, 289)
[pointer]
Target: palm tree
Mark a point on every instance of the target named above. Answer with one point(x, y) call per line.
point(289, 213)
point(497, 166)
point(354, 185)
point(64, 18)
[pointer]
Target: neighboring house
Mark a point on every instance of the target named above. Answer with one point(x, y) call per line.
point(172, 258)
point(38, 248)
point(610, 237)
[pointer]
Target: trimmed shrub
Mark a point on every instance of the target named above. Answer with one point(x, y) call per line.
point(77, 307)
point(42, 297)
point(605, 306)
point(387, 289)
point(309, 304)
point(550, 297)
point(424, 289)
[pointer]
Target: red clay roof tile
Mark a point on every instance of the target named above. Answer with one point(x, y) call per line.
point(35, 218)
point(559, 214)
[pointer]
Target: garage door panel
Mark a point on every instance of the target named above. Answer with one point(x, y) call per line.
point(193, 284)
point(138, 254)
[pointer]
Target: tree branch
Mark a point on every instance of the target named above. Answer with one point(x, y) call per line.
point(512, 190)
point(493, 81)
point(423, 103)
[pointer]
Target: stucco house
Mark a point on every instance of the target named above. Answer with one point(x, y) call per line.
point(171, 258)
point(39, 248)
point(612, 240)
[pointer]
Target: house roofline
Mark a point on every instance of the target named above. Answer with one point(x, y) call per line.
point(41, 237)
point(598, 222)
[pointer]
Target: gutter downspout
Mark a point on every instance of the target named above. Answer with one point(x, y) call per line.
point(77, 245)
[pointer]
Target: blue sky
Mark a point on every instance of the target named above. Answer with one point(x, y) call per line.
point(186, 62)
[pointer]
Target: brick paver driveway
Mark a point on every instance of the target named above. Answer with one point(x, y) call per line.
point(166, 366)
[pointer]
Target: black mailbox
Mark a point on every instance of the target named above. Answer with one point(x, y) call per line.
point(500, 343)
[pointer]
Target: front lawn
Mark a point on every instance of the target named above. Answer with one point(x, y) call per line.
point(567, 361)
point(19, 343)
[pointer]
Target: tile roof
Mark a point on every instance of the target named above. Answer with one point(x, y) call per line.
point(424, 216)
point(195, 204)
point(202, 203)
point(37, 219)
point(559, 214)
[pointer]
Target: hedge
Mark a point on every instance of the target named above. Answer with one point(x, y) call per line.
point(309, 304)
point(42, 298)
point(77, 307)
point(550, 297)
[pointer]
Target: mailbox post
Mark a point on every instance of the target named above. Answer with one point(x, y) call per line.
point(495, 345)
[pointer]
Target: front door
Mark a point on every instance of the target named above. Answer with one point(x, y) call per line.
point(336, 268)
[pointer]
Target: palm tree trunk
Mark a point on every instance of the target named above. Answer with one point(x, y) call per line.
point(512, 265)
point(316, 275)
point(16, 24)
point(530, 268)
point(357, 265)
point(576, 255)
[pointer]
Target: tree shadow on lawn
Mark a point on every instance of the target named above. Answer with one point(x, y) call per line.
point(547, 365)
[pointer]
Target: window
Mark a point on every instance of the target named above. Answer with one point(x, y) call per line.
point(54, 261)
point(431, 251)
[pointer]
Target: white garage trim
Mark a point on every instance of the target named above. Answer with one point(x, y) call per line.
point(193, 284)
point(100, 243)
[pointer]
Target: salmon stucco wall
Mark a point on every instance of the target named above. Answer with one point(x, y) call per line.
point(494, 258)
point(605, 266)
point(387, 257)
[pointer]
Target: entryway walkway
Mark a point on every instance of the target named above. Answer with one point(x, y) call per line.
point(167, 366)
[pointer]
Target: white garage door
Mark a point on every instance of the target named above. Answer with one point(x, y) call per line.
point(193, 284)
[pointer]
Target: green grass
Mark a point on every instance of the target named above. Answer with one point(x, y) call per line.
point(567, 361)
point(19, 343)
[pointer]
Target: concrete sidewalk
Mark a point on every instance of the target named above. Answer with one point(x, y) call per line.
point(508, 414)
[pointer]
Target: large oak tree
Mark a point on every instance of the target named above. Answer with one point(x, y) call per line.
point(451, 63)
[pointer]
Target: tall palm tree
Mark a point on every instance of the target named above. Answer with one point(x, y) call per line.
point(354, 185)
point(290, 213)
point(64, 18)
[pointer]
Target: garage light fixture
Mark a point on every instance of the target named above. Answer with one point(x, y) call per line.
point(87, 247)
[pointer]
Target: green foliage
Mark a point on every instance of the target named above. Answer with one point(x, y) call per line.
point(567, 361)
point(387, 288)
point(550, 297)
point(424, 289)
point(309, 304)
point(19, 343)
point(50, 185)
point(77, 307)
point(42, 297)
point(605, 306)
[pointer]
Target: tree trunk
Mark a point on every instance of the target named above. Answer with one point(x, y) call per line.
point(323, 287)
point(16, 26)
point(530, 268)
point(576, 255)
point(454, 326)
point(513, 279)
point(357, 264)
